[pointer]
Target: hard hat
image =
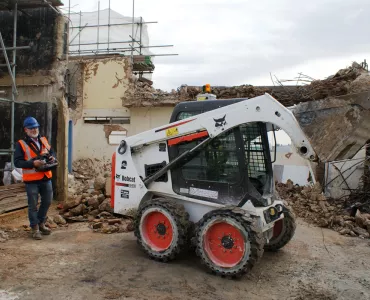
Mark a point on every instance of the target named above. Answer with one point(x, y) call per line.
point(30, 123)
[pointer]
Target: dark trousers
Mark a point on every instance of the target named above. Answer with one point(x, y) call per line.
point(45, 189)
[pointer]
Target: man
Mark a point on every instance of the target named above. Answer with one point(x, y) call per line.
point(28, 156)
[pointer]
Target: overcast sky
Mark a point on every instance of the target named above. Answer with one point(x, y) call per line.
point(233, 42)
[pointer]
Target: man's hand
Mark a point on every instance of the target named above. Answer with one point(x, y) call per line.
point(51, 159)
point(38, 163)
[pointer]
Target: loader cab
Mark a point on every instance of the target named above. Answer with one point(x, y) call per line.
point(235, 167)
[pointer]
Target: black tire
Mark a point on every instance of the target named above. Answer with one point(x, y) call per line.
point(286, 234)
point(248, 228)
point(179, 220)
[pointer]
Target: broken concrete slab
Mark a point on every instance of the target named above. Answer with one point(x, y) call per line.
point(337, 128)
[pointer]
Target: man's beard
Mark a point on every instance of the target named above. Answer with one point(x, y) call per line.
point(35, 135)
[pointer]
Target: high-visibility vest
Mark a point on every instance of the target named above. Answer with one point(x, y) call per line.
point(32, 174)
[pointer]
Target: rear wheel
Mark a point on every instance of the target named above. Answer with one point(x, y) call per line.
point(283, 231)
point(161, 228)
point(229, 242)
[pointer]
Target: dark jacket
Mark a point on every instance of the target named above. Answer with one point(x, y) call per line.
point(19, 160)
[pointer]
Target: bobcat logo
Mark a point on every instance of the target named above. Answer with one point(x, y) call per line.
point(220, 122)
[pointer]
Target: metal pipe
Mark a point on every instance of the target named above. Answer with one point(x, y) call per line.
point(159, 46)
point(5, 154)
point(70, 145)
point(52, 7)
point(133, 21)
point(108, 25)
point(79, 36)
point(162, 54)
point(7, 62)
point(97, 43)
point(14, 90)
point(102, 43)
point(112, 50)
point(127, 48)
point(8, 100)
point(17, 48)
point(79, 32)
point(118, 24)
point(141, 32)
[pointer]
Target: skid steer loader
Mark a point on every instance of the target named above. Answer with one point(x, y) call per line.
point(206, 179)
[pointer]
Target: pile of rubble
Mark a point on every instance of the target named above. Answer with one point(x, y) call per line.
point(3, 236)
point(145, 95)
point(310, 204)
point(353, 79)
point(89, 197)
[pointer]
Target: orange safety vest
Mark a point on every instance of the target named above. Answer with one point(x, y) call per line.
point(32, 174)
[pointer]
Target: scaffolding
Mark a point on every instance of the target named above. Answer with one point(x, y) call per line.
point(15, 7)
point(133, 47)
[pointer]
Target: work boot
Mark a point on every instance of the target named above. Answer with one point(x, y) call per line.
point(36, 234)
point(44, 230)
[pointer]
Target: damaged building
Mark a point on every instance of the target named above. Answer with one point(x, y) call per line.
point(89, 93)
point(32, 70)
point(100, 73)
point(48, 70)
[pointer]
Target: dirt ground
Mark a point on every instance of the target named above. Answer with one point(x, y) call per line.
point(76, 263)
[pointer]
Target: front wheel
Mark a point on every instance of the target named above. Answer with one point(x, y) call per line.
point(229, 242)
point(283, 231)
point(161, 228)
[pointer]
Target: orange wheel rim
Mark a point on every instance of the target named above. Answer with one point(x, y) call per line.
point(157, 231)
point(278, 228)
point(224, 244)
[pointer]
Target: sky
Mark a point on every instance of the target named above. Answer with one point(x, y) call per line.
point(234, 42)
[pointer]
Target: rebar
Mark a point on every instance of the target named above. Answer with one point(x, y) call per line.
point(14, 90)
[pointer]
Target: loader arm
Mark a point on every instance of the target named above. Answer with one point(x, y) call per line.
point(259, 109)
point(141, 160)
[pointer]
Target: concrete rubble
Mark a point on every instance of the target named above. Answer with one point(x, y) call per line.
point(3, 236)
point(353, 79)
point(89, 201)
point(310, 204)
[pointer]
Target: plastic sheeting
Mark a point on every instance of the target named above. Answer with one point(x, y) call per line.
point(116, 33)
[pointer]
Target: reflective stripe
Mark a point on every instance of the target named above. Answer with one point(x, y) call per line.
point(26, 149)
point(28, 171)
point(45, 142)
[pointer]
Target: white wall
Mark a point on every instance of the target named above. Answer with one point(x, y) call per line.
point(90, 140)
point(353, 169)
point(290, 165)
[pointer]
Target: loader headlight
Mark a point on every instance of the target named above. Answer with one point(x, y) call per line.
point(272, 211)
point(272, 214)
